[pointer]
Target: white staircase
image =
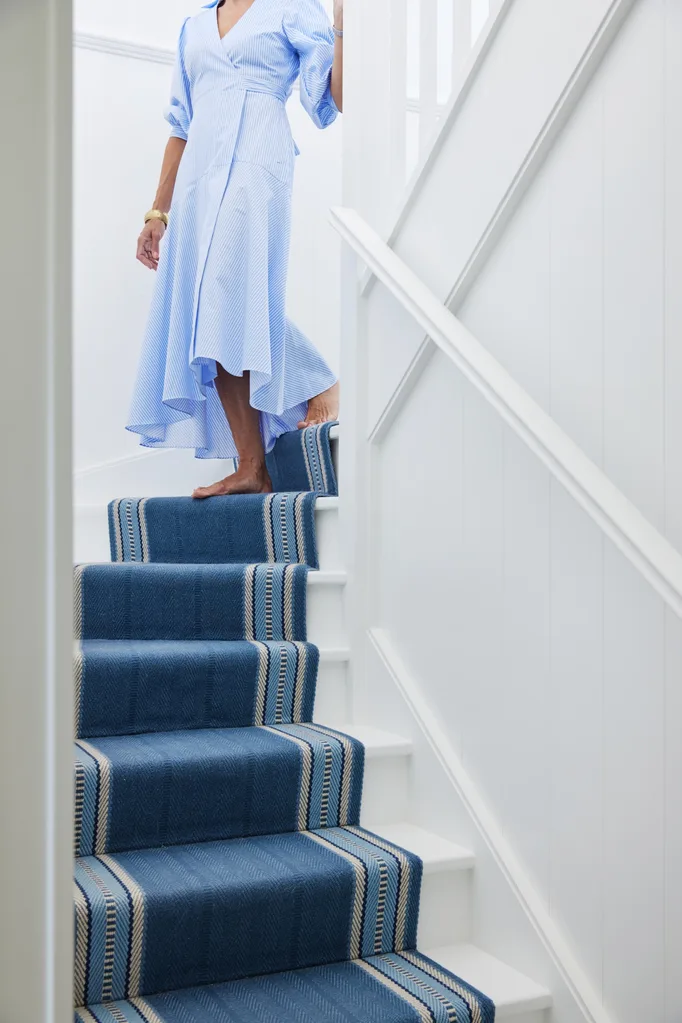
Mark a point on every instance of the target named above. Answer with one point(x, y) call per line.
point(445, 922)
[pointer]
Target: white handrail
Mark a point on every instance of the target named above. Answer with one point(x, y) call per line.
point(650, 553)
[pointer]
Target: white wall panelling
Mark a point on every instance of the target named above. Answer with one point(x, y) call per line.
point(555, 225)
point(618, 517)
point(612, 221)
point(516, 596)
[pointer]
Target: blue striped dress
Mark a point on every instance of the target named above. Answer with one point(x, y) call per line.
point(221, 282)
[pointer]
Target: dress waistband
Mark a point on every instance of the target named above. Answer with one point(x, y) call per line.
point(242, 83)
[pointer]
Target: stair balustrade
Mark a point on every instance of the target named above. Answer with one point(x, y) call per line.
point(406, 62)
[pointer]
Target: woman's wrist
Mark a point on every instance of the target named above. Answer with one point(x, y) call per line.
point(156, 214)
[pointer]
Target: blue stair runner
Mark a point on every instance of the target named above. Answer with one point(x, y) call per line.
point(221, 875)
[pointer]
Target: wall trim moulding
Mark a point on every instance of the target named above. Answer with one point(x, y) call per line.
point(160, 55)
point(123, 48)
point(622, 523)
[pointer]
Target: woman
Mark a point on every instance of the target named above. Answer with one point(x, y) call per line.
point(222, 368)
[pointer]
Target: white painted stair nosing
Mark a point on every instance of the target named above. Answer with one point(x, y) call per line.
point(512, 992)
point(437, 854)
point(377, 743)
point(331, 577)
point(334, 655)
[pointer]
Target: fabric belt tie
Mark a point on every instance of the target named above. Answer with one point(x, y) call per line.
point(241, 83)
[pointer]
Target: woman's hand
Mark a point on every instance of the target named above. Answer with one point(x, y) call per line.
point(149, 242)
point(338, 14)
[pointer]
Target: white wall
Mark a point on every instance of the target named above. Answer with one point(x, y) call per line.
point(119, 138)
point(556, 672)
point(555, 669)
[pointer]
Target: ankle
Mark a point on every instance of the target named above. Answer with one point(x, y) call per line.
point(252, 465)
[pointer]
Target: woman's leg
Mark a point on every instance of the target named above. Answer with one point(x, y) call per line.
point(252, 476)
point(322, 409)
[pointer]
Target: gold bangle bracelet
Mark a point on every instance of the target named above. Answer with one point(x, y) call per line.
point(156, 215)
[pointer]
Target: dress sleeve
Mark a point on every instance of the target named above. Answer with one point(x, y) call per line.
point(309, 32)
point(179, 111)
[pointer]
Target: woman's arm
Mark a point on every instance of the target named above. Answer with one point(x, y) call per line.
point(153, 231)
point(337, 66)
point(169, 173)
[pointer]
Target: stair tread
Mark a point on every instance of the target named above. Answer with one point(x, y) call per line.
point(100, 508)
point(334, 653)
point(374, 989)
point(325, 504)
point(376, 741)
point(511, 991)
point(327, 577)
point(435, 852)
point(328, 653)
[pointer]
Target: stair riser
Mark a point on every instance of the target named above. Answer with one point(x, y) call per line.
point(385, 796)
point(385, 792)
point(332, 698)
point(222, 911)
point(91, 534)
point(207, 602)
point(445, 908)
point(213, 784)
point(326, 625)
point(328, 539)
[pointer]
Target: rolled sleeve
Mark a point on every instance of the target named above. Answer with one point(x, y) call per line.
point(310, 33)
point(179, 110)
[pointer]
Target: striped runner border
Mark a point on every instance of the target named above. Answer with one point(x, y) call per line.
point(317, 458)
point(275, 602)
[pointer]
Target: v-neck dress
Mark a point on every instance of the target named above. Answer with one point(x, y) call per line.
point(221, 283)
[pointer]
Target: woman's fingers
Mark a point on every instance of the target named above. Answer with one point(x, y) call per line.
point(148, 245)
point(145, 257)
point(148, 250)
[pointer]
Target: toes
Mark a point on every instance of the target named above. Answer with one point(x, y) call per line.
point(213, 491)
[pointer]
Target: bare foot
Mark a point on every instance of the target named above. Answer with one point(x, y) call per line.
point(248, 479)
point(322, 409)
